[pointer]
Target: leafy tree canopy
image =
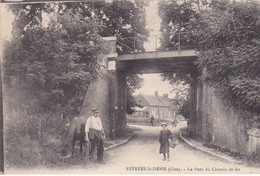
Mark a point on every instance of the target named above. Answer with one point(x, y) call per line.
point(49, 65)
point(56, 61)
point(180, 82)
point(133, 82)
point(122, 19)
point(176, 16)
point(228, 39)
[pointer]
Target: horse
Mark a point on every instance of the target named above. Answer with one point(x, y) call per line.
point(76, 132)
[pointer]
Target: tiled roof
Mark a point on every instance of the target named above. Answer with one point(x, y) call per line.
point(165, 101)
point(152, 100)
point(155, 101)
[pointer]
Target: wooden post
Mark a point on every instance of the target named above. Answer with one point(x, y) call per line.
point(179, 42)
point(134, 45)
point(156, 43)
point(193, 103)
point(1, 125)
point(158, 114)
point(115, 115)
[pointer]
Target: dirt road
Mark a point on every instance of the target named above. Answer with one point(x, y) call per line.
point(141, 155)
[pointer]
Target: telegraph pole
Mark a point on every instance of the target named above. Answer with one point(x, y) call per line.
point(1, 124)
point(158, 114)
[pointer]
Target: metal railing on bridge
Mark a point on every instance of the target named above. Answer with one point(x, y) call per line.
point(178, 41)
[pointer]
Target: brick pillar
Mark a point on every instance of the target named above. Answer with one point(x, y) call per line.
point(121, 103)
point(112, 103)
point(254, 141)
point(99, 93)
point(199, 109)
point(97, 96)
point(193, 105)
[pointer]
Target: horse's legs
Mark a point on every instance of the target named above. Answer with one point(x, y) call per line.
point(82, 143)
point(80, 146)
point(73, 147)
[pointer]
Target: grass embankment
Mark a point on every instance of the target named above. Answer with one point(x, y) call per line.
point(38, 141)
point(32, 140)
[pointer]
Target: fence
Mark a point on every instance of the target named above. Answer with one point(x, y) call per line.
point(178, 41)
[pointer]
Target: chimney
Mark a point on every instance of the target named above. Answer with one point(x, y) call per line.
point(165, 95)
point(156, 93)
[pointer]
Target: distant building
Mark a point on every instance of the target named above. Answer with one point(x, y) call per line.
point(140, 112)
point(152, 104)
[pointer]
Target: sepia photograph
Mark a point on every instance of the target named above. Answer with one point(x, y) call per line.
point(130, 87)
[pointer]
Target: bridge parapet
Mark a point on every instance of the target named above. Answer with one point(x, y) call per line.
point(178, 41)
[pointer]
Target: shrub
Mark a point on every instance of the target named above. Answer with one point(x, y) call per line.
point(253, 159)
point(185, 109)
point(140, 120)
point(32, 139)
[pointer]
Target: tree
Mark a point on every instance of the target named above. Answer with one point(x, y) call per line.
point(123, 19)
point(133, 82)
point(228, 36)
point(75, 20)
point(176, 16)
point(185, 109)
point(180, 82)
point(52, 65)
point(47, 68)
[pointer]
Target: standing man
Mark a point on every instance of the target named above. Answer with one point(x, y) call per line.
point(95, 134)
point(152, 120)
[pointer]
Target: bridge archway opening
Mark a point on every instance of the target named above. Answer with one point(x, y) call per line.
point(152, 62)
point(157, 99)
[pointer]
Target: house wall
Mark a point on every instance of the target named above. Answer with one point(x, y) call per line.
point(139, 114)
point(141, 101)
point(164, 112)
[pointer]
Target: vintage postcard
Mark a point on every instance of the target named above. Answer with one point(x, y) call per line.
point(130, 87)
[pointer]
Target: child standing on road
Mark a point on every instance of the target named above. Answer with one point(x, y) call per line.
point(164, 141)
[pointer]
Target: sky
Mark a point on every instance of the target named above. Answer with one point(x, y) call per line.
point(153, 24)
point(152, 81)
point(6, 22)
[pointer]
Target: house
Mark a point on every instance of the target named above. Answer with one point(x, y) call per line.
point(140, 112)
point(153, 104)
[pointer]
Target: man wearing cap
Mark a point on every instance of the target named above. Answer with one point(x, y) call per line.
point(95, 134)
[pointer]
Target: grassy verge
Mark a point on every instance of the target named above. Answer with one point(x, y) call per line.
point(37, 141)
point(251, 160)
point(32, 140)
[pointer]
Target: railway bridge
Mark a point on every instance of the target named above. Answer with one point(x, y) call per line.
point(210, 121)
